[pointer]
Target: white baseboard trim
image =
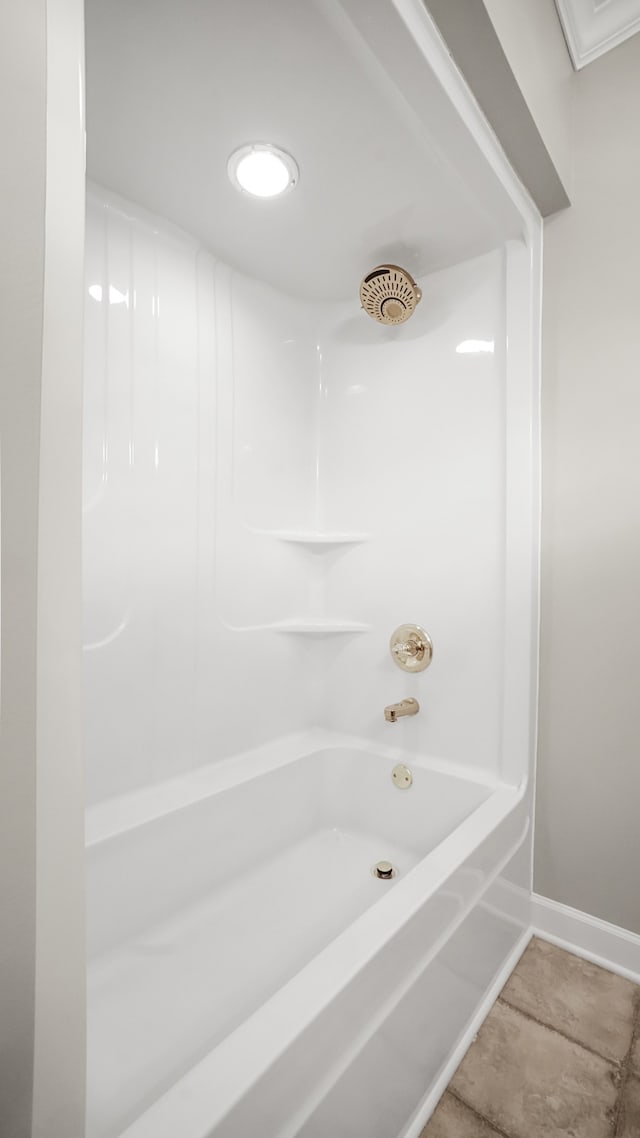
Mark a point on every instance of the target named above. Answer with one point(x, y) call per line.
point(595, 940)
point(431, 1100)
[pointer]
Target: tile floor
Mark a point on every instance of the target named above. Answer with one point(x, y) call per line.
point(557, 1057)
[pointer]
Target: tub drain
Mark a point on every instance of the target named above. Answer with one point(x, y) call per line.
point(384, 870)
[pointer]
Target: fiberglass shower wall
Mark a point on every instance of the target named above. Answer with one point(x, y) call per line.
point(415, 448)
point(170, 565)
point(271, 486)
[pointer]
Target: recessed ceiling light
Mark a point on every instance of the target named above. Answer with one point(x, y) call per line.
point(262, 170)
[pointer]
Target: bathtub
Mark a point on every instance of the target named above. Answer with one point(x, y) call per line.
point(247, 970)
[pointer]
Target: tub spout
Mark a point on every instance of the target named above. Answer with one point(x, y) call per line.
point(406, 707)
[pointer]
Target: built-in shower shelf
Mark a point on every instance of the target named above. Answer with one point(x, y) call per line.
point(318, 541)
point(319, 626)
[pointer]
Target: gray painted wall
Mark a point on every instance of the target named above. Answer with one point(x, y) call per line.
point(59, 1050)
point(532, 39)
point(587, 828)
point(22, 129)
point(496, 46)
point(41, 296)
point(587, 838)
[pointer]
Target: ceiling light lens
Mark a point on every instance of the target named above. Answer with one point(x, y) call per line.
point(262, 170)
point(263, 174)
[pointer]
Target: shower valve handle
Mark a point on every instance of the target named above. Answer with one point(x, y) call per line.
point(411, 648)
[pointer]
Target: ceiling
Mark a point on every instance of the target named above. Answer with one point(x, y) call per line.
point(592, 27)
point(387, 170)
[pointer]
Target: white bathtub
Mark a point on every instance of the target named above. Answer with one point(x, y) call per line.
point(249, 973)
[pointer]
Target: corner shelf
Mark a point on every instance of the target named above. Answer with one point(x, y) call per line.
point(314, 541)
point(319, 626)
point(317, 541)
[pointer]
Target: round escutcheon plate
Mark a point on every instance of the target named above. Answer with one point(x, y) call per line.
point(411, 648)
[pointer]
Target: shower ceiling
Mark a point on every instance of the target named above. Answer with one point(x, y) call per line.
point(174, 86)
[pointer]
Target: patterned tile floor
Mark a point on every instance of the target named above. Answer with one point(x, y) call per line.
point(557, 1057)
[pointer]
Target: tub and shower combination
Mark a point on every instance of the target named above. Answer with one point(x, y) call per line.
point(298, 909)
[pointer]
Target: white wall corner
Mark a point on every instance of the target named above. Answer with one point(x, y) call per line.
point(593, 27)
point(59, 1042)
point(595, 940)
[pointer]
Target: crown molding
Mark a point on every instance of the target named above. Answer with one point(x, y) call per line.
point(592, 27)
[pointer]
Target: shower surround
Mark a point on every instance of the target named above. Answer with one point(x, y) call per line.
point(272, 484)
point(270, 488)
